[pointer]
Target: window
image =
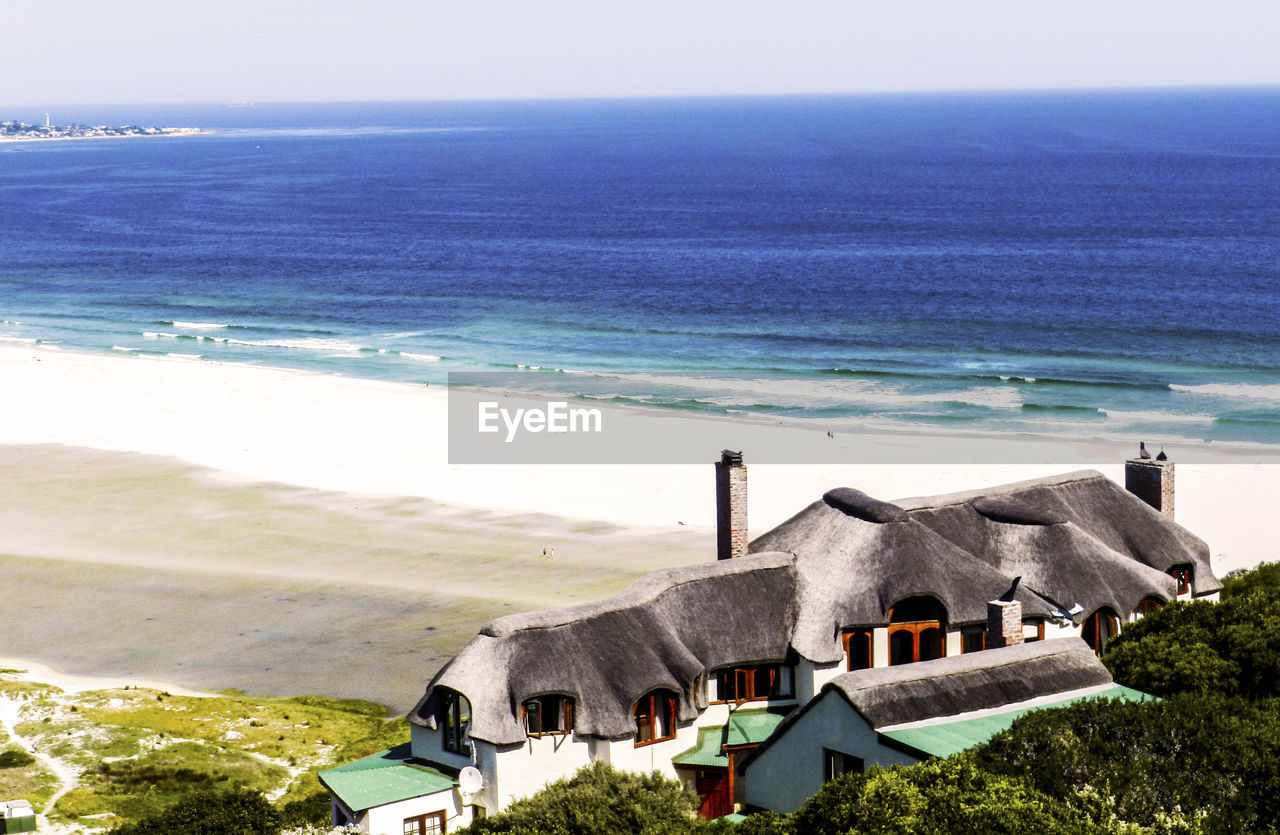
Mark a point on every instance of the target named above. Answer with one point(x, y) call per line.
point(835, 763)
point(1099, 628)
point(431, 824)
point(548, 715)
point(917, 631)
point(1183, 575)
point(1147, 606)
point(858, 649)
point(745, 684)
point(655, 717)
point(973, 639)
point(455, 718)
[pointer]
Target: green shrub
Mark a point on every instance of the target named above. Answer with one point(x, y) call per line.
point(599, 800)
point(940, 796)
point(1203, 763)
point(15, 758)
point(233, 812)
point(310, 810)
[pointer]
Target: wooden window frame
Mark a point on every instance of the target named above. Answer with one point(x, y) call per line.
point(967, 631)
point(652, 700)
point(1147, 605)
point(421, 820)
point(1184, 576)
point(1100, 612)
point(829, 772)
point(453, 730)
point(745, 680)
point(565, 712)
point(847, 640)
point(916, 628)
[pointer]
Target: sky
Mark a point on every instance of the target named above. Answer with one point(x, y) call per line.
point(60, 52)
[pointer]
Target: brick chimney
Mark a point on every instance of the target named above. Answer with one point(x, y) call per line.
point(731, 506)
point(1004, 623)
point(1151, 480)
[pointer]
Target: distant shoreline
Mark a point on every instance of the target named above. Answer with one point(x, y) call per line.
point(22, 132)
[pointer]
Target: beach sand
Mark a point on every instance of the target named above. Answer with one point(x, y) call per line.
point(225, 526)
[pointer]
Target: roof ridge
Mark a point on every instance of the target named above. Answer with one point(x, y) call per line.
point(644, 590)
point(947, 499)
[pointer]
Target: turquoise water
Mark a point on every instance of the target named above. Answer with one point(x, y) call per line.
point(1100, 264)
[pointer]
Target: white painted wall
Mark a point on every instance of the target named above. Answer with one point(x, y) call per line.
point(790, 770)
point(389, 819)
point(624, 754)
point(524, 771)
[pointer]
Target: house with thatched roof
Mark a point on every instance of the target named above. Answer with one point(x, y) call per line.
point(901, 715)
point(691, 669)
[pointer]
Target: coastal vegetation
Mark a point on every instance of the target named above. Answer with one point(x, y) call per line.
point(1204, 758)
point(135, 753)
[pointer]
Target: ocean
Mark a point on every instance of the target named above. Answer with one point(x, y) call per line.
point(1092, 264)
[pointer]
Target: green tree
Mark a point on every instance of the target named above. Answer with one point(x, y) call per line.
point(1191, 763)
point(1231, 647)
point(941, 796)
point(231, 812)
point(599, 800)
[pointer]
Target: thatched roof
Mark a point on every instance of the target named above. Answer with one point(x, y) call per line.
point(853, 569)
point(959, 684)
point(974, 681)
point(842, 562)
point(665, 631)
point(1074, 538)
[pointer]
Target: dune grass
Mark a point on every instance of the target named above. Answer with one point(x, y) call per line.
point(139, 750)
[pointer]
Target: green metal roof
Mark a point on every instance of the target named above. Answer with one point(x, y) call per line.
point(745, 727)
point(386, 777)
point(946, 738)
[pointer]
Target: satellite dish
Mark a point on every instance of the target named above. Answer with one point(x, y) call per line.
point(470, 780)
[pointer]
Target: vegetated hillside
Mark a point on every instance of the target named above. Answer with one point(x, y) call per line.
point(137, 751)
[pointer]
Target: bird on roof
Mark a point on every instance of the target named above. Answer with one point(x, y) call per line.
point(1008, 596)
point(1162, 456)
point(1142, 451)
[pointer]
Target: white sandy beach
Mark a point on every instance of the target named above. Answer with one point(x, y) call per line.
point(359, 436)
point(282, 532)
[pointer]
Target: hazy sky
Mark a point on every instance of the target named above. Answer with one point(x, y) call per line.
point(58, 52)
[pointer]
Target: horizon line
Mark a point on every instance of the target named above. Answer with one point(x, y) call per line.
point(912, 93)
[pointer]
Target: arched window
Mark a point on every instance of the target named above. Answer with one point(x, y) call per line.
point(1184, 575)
point(1099, 628)
point(917, 630)
point(454, 719)
point(858, 649)
point(551, 714)
point(1147, 606)
point(747, 684)
point(655, 715)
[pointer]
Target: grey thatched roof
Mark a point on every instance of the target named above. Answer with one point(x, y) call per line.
point(1074, 538)
point(665, 631)
point(842, 562)
point(974, 681)
point(857, 557)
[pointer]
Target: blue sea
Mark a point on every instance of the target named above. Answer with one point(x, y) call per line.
point(1102, 264)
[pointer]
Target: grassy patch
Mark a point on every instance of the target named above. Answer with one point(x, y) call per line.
point(23, 776)
point(140, 750)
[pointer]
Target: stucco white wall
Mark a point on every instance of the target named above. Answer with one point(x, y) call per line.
point(790, 770)
point(389, 819)
point(524, 771)
point(624, 754)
